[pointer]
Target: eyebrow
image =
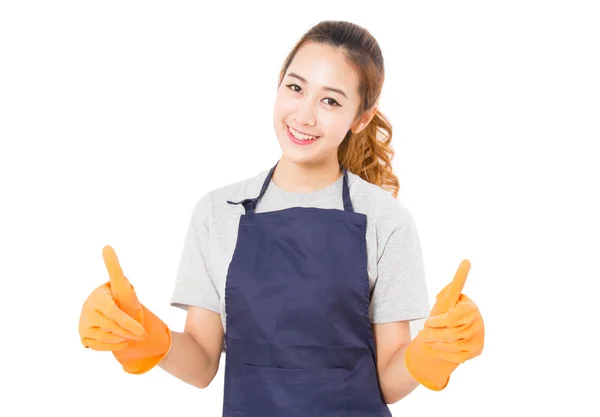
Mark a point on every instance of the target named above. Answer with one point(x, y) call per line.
point(335, 90)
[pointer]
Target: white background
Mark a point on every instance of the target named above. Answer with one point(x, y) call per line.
point(115, 117)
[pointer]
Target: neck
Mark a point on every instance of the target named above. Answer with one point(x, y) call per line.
point(306, 178)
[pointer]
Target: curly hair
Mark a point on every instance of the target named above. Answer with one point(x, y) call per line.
point(368, 153)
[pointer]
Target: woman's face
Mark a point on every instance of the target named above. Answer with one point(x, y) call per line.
point(318, 97)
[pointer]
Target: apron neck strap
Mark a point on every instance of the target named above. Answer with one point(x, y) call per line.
point(346, 192)
point(251, 203)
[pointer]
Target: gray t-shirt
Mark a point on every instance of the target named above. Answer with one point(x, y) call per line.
point(395, 261)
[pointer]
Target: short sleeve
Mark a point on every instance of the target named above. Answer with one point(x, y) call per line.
point(194, 285)
point(400, 291)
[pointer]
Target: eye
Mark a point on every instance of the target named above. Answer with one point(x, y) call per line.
point(332, 103)
point(335, 103)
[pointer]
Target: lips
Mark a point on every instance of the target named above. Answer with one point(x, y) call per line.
point(303, 133)
point(300, 142)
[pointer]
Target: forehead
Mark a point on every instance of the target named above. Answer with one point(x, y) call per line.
point(323, 65)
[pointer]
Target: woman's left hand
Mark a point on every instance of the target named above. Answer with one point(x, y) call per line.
point(458, 334)
point(452, 334)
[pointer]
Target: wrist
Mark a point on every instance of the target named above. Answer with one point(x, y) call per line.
point(142, 356)
point(147, 363)
point(425, 366)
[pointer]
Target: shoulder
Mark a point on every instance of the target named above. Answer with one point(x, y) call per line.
point(387, 213)
point(215, 201)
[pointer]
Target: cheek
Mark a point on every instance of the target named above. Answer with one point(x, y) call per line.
point(336, 125)
point(283, 107)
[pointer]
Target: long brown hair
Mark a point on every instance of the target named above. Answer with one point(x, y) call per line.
point(368, 153)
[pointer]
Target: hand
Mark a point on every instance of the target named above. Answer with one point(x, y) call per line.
point(457, 335)
point(453, 333)
point(103, 326)
point(113, 319)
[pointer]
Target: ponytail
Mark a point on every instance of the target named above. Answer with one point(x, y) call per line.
point(369, 154)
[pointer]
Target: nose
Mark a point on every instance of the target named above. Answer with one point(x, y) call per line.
point(305, 113)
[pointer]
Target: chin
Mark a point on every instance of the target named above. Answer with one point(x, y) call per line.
point(293, 155)
point(302, 158)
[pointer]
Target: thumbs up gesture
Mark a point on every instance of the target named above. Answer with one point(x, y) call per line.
point(113, 319)
point(453, 334)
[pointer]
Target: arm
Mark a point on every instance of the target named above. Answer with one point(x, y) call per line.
point(400, 295)
point(391, 340)
point(196, 352)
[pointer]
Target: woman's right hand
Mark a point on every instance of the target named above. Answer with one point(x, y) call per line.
point(112, 319)
point(103, 326)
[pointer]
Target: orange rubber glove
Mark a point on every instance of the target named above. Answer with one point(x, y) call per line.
point(453, 334)
point(112, 319)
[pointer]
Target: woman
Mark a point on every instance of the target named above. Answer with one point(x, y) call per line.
point(307, 274)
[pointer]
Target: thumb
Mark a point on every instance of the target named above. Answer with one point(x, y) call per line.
point(449, 296)
point(122, 291)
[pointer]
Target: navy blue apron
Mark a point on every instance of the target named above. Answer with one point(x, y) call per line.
point(298, 336)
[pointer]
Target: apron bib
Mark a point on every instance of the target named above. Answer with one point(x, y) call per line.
point(298, 334)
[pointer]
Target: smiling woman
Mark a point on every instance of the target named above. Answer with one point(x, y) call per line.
point(308, 273)
point(334, 76)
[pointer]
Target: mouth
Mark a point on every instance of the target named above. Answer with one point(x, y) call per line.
point(299, 138)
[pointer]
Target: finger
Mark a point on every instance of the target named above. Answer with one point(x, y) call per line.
point(441, 335)
point(454, 357)
point(439, 321)
point(108, 308)
point(119, 285)
point(103, 347)
point(458, 358)
point(102, 336)
point(456, 347)
point(473, 332)
point(121, 288)
point(457, 352)
point(452, 292)
point(464, 313)
point(108, 325)
point(124, 320)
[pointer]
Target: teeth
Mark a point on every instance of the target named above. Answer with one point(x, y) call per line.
point(300, 136)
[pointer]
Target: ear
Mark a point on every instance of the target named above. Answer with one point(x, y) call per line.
point(365, 119)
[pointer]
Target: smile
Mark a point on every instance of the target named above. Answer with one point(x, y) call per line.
point(300, 138)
